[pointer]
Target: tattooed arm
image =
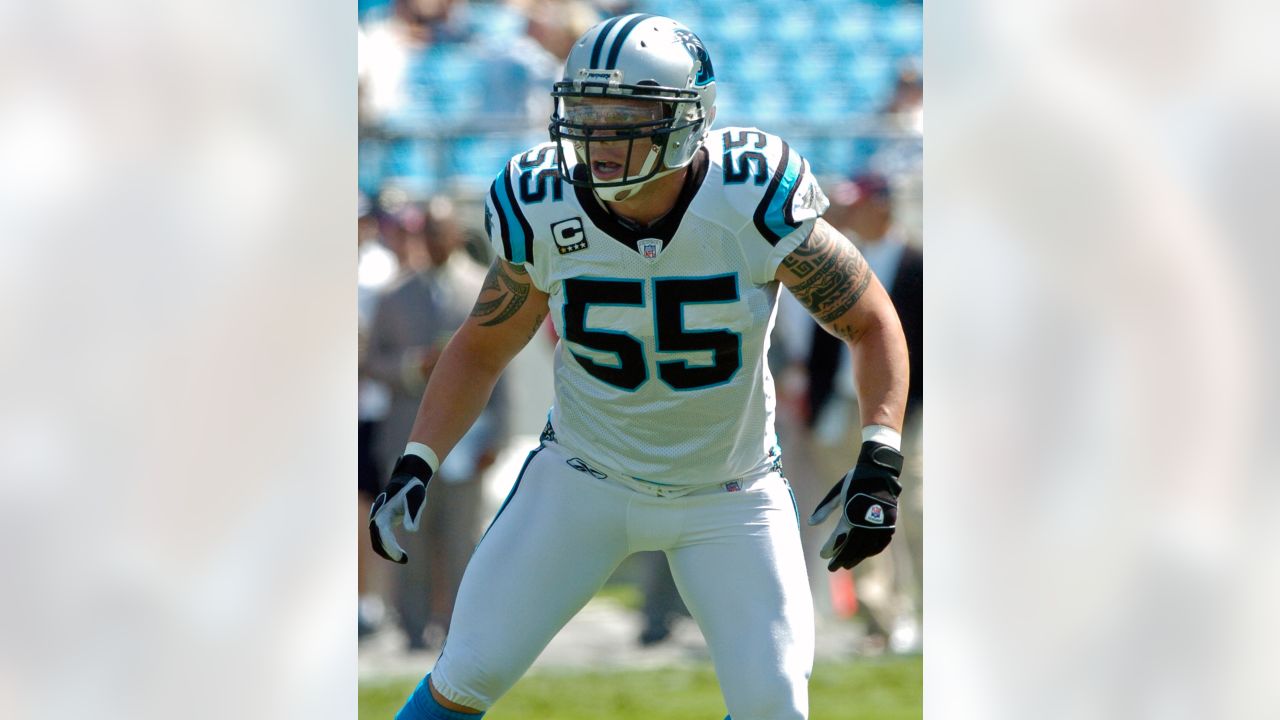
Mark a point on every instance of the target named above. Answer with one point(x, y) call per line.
point(506, 315)
point(828, 275)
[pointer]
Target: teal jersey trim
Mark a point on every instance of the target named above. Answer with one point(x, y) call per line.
point(777, 215)
point(514, 222)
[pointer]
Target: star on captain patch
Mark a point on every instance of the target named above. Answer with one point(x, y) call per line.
point(649, 248)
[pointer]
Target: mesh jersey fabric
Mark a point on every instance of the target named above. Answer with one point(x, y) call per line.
point(660, 371)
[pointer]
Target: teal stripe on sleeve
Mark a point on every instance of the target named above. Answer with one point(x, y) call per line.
point(775, 217)
point(508, 210)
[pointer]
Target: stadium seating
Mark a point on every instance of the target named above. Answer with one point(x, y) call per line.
point(782, 65)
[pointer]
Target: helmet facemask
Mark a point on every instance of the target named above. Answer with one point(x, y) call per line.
point(609, 127)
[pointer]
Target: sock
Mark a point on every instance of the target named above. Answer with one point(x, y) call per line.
point(422, 705)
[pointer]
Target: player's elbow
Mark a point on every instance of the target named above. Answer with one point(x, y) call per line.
point(878, 325)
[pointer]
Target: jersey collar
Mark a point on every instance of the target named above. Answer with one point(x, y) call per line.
point(665, 228)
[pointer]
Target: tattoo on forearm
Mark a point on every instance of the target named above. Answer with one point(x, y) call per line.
point(833, 275)
point(504, 292)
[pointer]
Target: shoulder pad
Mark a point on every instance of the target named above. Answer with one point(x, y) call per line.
point(762, 177)
point(512, 226)
point(527, 179)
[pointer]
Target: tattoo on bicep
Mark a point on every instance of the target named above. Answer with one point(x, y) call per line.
point(505, 290)
point(832, 274)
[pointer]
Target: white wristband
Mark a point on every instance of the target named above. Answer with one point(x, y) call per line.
point(884, 435)
point(426, 453)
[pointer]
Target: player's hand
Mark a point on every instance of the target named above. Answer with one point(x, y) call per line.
point(868, 498)
point(401, 502)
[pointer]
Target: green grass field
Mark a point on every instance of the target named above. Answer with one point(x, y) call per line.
point(880, 689)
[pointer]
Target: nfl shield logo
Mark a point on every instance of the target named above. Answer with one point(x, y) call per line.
point(875, 514)
point(732, 486)
point(649, 248)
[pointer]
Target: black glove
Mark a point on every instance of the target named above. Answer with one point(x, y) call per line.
point(868, 495)
point(400, 502)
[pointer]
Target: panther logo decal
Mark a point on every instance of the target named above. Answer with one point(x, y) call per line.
point(706, 74)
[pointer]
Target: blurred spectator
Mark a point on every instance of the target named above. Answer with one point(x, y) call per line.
point(413, 322)
point(888, 585)
point(900, 154)
point(402, 228)
point(524, 67)
point(556, 24)
point(377, 269)
point(387, 45)
point(906, 107)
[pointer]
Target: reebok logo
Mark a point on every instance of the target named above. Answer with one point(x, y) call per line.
point(580, 466)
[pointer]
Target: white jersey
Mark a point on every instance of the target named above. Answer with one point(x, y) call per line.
point(661, 372)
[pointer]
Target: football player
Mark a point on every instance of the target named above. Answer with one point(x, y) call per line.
point(657, 245)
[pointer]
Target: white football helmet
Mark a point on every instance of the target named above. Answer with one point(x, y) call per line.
point(634, 58)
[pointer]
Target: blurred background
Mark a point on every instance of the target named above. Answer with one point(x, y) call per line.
point(451, 89)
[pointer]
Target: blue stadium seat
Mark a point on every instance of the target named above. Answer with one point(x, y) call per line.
point(727, 55)
point(827, 157)
point(758, 67)
point(873, 76)
point(369, 166)
point(811, 65)
point(825, 106)
point(475, 156)
point(740, 27)
point(494, 22)
point(445, 82)
point(851, 29)
point(733, 104)
point(410, 163)
point(824, 61)
point(368, 9)
point(861, 150)
point(685, 11)
point(476, 159)
point(795, 27)
point(901, 30)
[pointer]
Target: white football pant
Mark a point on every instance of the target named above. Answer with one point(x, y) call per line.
point(735, 554)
